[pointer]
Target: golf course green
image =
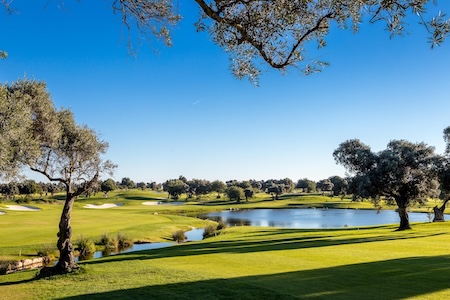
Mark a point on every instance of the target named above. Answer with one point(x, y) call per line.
point(241, 262)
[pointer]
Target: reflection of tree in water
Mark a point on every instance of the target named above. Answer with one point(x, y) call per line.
point(238, 222)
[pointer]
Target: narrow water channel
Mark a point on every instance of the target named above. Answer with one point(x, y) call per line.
point(192, 235)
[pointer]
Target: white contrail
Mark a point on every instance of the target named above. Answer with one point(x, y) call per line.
point(198, 101)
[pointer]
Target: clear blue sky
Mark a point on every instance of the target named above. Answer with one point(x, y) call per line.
point(181, 112)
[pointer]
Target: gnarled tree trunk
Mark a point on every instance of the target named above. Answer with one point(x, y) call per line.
point(66, 262)
point(404, 218)
point(439, 212)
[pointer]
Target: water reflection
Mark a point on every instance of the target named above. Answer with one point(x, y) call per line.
point(311, 218)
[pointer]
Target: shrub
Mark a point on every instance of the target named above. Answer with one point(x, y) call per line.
point(46, 250)
point(123, 241)
point(179, 236)
point(86, 247)
point(108, 241)
point(209, 230)
point(221, 225)
point(4, 266)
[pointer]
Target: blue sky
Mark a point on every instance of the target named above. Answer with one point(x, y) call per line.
point(179, 111)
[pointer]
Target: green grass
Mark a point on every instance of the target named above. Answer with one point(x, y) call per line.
point(264, 263)
point(242, 262)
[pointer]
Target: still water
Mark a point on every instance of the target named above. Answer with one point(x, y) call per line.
point(192, 235)
point(312, 218)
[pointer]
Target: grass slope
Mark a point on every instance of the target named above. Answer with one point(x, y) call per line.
point(264, 263)
point(243, 262)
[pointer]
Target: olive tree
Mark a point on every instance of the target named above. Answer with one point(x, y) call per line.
point(404, 172)
point(277, 33)
point(444, 180)
point(51, 143)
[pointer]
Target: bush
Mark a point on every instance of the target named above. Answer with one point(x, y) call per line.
point(108, 241)
point(209, 230)
point(123, 241)
point(86, 247)
point(46, 250)
point(4, 266)
point(179, 236)
point(221, 225)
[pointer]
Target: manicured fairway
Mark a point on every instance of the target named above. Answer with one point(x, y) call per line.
point(264, 263)
point(241, 263)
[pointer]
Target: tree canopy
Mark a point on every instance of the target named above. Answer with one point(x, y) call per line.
point(404, 172)
point(278, 33)
point(48, 141)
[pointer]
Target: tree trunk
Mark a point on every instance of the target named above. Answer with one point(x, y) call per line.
point(66, 262)
point(404, 218)
point(439, 212)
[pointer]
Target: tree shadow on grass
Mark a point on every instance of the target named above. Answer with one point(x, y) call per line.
point(389, 279)
point(283, 241)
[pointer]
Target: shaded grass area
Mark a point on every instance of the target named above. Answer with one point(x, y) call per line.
point(264, 263)
point(24, 232)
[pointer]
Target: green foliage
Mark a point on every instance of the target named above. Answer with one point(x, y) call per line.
point(209, 230)
point(108, 185)
point(235, 193)
point(46, 250)
point(405, 172)
point(179, 236)
point(175, 187)
point(4, 266)
point(86, 247)
point(123, 240)
point(221, 225)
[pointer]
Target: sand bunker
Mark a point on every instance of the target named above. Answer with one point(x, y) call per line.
point(2, 213)
point(22, 207)
point(103, 206)
point(150, 203)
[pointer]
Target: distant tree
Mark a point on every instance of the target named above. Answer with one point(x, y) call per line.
point(235, 193)
point(275, 190)
point(248, 193)
point(108, 186)
point(288, 184)
point(52, 188)
point(232, 182)
point(127, 183)
point(405, 172)
point(339, 185)
point(175, 187)
point(154, 186)
point(244, 184)
point(198, 187)
point(8, 190)
point(218, 187)
point(28, 187)
point(306, 185)
point(141, 185)
point(324, 185)
point(256, 185)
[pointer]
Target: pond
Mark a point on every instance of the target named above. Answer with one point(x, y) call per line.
point(310, 218)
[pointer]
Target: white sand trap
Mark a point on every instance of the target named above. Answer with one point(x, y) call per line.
point(103, 206)
point(22, 207)
point(2, 213)
point(150, 203)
